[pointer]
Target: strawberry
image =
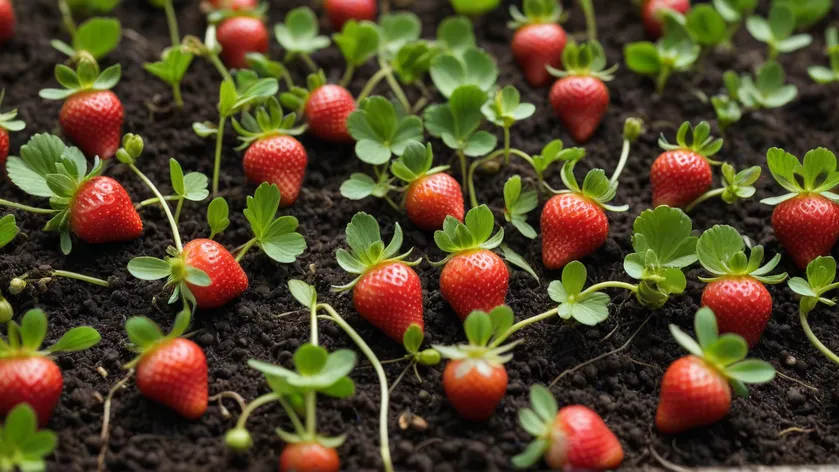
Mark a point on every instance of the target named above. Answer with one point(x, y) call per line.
point(474, 277)
point(309, 457)
point(736, 292)
point(102, 212)
point(7, 123)
point(7, 21)
point(92, 115)
point(475, 379)
point(696, 389)
point(170, 370)
point(227, 279)
point(234, 5)
point(327, 108)
point(28, 374)
point(341, 11)
point(652, 11)
point(387, 292)
point(805, 220)
point(580, 98)
point(239, 35)
point(682, 173)
point(539, 40)
point(273, 155)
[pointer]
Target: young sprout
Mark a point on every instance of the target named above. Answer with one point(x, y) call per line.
point(824, 75)
point(43, 275)
point(766, 91)
point(23, 446)
point(706, 26)
point(474, 67)
point(806, 12)
point(217, 216)
point(171, 68)
point(358, 43)
point(8, 122)
point(209, 49)
point(676, 51)
point(504, 110)
point(777, 31)
point(94, 38)
point(736, 186)
point(381, 130)
point(733, 12)
point(298, 35)
point(8, 230)
point(268, 68)
point(821, 275)
point(192, 187)
point(554, 151)
point(518, 204)
point(276, 236)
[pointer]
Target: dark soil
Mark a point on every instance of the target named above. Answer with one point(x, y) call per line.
point(793, 420)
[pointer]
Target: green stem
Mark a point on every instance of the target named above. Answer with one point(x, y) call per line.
point(506, 145)
point(706, 196)
point(220, 67)
point(178, 208)
point(83, 278)
point(397, 90)
point(245, 248)
point(524, 156)
point(773, 52)
point(813, 339)
point(661, 80)
point(173, 23)
point(176, 94)
point(175, 234)
point(30, 209)
point(591, 23)
point(371, 84)
point(311, 397)
point(252, 406)
point(152, 201)
point(470, 180)
point(219, 141)
point(309, 62)
point(345, 80)
point(605, 285)
point(621, 162)
point(295, 420)
point(522, 324)
point(380, 372)
point(67, 17)
point(289, 82)
point(463, 174)
point(392, 203)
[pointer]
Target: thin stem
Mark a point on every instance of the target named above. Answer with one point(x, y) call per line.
point(380, 372)
point(463, 175)
point(30, 209)
point(83, 278)
point(397, 90)
point(400, 377)
point(470, 179)
point(345, 80)
point(178, 208)
point(176, 235)
point(67, 17)
point(252, 406)
point(219, 141)
point(371, 84)
point(105, 435)
point(506, 145)
point(661, 80)
point(813, 339)
point(621, 162)
point(421, 103)
point(313, 315)
point(220, 67)
point(706, 196)
point(523, 324)
point(311, 397)
point(591, 23)
point(176, 94)
point(245, 248)
point(173, 23)
point(289, 82)
point(295, 420)
point(605, 285)
point(309, 62)
point(523, 155)
point(152, 201)
point(392, 203)
point(773, 52)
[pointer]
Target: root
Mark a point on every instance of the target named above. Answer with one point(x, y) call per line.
point(794, 429)
point(791, 379)
point(667, 464)
point(399, 379)
point(105, 435)
point(228, 394)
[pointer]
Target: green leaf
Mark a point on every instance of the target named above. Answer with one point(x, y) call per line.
point(667, 233)
point(456, 36)
point(338, 365)
point(196, 184)
point(518, 260)
point(217, 216)
point(33, 329)
point(474, 7)
point(360, 186)
point(478, 328)
point(309, 359)
point(506, 108)
point(77, 339)
point(480, 222)
point(414, 163)
point(8, 230)
point(502, 319)
point(34, 448)
point(259, 91)
point(358, 42)
point(20, 425)
point(728, 349)
point(751, 371)
point(380, 131)
point(172, 67)
point(176, 173)
point(734, 11)
point(642, 58)
point(531, 422)
point(142, 331)
point(590, 310)
point(38, 158)
point(303, 293)
point(197, 277)
point(717, 246)
point(98, 36)
point(281, 243)
point(412, 339)
point(686, 341)
point(413, 61)
point(149, 268)
point(821, 272)
point(706, 25)
point(457, 120)
point(822, 75)
point(475, 67)
point(298, 34)
point(343, 388)
point(806, 12)
point(543, 403)
point(362, 234)
point(262, 208)
point(397, 30)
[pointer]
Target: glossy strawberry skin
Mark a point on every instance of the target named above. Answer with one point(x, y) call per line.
point(430, 199)
point(4, 145)
point(536, 46)
point(309, 457)
point(572, 228)
point(175, 374)
point(93, 121)
point(580, 102)
point(8, 21)
point(341, 11)
point(742, 304)
point(807, 226)
point(235, 5)
point(474, 387)
point(389, 296)
point(228, 280)
point(649, 11)
point(474, 280)
point(280, 160)
point(327, 110)
point(240, 35)
point(679, 177)
point(35, 380)
point(692, 394)
point(582, 441)
point(102, 212)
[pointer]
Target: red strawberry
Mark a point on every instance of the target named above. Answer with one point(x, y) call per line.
point(538, 41)
point(475, 387)
point(27, 375)
point(581, 441)
point(239, 35)
point(228, 280)
point(102, 212)
point(805, 220)
point(327, 110)
point(682, 173)
point(234, 5)
point(651, 11)
point(7, 21)
point(174, 373)
point(573, 226)
point(7, 123)
point(309, 457)
point(387, 292)
point(474, 280)
point(695, 390)
point(280, 160)
point(341, 11)
point(4, 146)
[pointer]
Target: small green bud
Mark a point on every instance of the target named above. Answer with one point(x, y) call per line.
point(238, 439)
point(6, 311)
point(429, 357)
point(16, 286)
point(632, 128)
point(133, 144)
point(123, 157)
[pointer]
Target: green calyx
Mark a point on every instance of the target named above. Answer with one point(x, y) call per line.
point(415, 163)
point(821, 273)
point(474, 233)
point(535, 12)
point(538, 420)
point(367, 250)
point(217, 16)
point(738, 185)
point(145, 335)
point(85, 78)
point(556, 151)
point(482, 330)
point(700, 140)
point(25, 339)
point(506, 108)
point(7, 120)
point(596, 186)
point(817, 175)
point(726, 353)
point(269, 121)
point(296, 98)
point(586, 59)
point(721, 251)
point(22, 445)
point(588, 308)
point(174, 269)
point(412, 341)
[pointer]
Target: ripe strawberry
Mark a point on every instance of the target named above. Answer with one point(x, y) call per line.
point(538, 41)
point(580, 440)
point(327, 110)
point(273, 155)
point(309, 457)
point(7, 123)
point(102, 212)
point(27, 374)
point(695, 389)
point(341, 11)
point(228, 280)
point(736, 292)
point(806, 220)
point(573, 226)
point(682, 173)
point(580, 97)
point(387, 292)
point(239, 35)
point(170, 370)
point(651, 11)
point(235, 5)
point(474, 277)
point(7, 21)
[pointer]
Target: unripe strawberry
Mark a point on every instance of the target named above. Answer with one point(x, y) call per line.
point(682, 174)
point(538, 41)
point(240, 35)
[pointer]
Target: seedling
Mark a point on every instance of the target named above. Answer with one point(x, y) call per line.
point(517, 204)
point(358, 43)
point(777, 31)
point(824, 75)
point(217, 216)
point(95, 38)
point(268, 68)
point(171, 68)
point(806, 12)
point(276, 236)
point(474, 67)
point(8, 122)
point(42, 276)
point(821, 275)
point(8, 230)
point(767, 90)
point(23, 446)
point(504, 110)
point(299, 36)
point(381, 130)
point(676, 51)
point(208, 49)
point(192, 187)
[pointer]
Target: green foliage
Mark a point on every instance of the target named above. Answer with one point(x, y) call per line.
point(457, 122)
point(474, 233)
point(456, 35)
point(535, 12)
point(821, 273)
point(304, 293)
point(358, 42)
point(733, 11)
point(367, 249)
point(217, 216)
point(396, 30)
point(276, 236)
point(299, 33)
point(806, 12)
point(766, 91)
point(315, 370)
point(518, 204)
point(85, 77)
point(506, 108)
point(824, 75)
point(739, 185)
point(555, 151)
point(538, 421)
point(589, 308)
point(415, 163)
point(360, 186)
point(474, 7)
point(474, 67)
point(817, 174)
point(484, 331)
point(172, 67)
point(676, 51)
point(586, 59)
point(722, 252)
point(267, 120)
point(413, 61)
point(192, 186)
point(381, 129)
point(26, 339)
point(145, 334)
point(697, 139)
point(777, 30)
point(8, 229)
point(596, 186)
point(22, 445)
point(96, 37)
point(232, 100)
point(706, 25)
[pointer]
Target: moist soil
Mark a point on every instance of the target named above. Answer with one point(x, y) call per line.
point(793, 420)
